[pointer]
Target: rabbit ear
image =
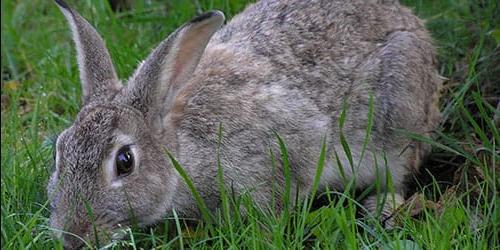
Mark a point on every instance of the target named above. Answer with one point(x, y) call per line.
point(153, 86)
point(97, 73)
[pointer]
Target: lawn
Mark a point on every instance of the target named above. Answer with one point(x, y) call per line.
point(455, 204)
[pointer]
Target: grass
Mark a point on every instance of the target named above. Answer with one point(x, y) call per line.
point(455, 206)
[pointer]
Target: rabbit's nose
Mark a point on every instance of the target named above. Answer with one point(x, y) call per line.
point(76, 236)
point(72, 237)
point(71, 242)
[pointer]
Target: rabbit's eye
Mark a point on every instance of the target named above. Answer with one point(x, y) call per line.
point(124, 161)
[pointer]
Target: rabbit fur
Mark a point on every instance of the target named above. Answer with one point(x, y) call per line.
point(288, 67)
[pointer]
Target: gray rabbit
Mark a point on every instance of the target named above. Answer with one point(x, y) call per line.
point(285, 67)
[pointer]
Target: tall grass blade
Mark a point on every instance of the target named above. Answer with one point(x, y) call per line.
point(205, 213)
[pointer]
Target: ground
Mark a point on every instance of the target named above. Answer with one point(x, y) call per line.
point(455, 203)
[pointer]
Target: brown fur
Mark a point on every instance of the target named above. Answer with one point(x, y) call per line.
point(280, 66)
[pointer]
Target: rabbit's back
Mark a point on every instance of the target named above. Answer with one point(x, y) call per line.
point(312, 32)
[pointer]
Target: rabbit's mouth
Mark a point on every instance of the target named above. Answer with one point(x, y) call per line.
point(115, 236)
point(106, 240)
point(109, 235)
point(94, 234)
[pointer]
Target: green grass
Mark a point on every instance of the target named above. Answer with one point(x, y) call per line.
point(41, 96)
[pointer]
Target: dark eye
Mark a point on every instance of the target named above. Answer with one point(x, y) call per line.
point(124, 161)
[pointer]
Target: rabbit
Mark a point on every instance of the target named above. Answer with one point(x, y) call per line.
point(287, 67)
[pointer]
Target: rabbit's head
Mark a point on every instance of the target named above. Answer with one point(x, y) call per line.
point(111, 169)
